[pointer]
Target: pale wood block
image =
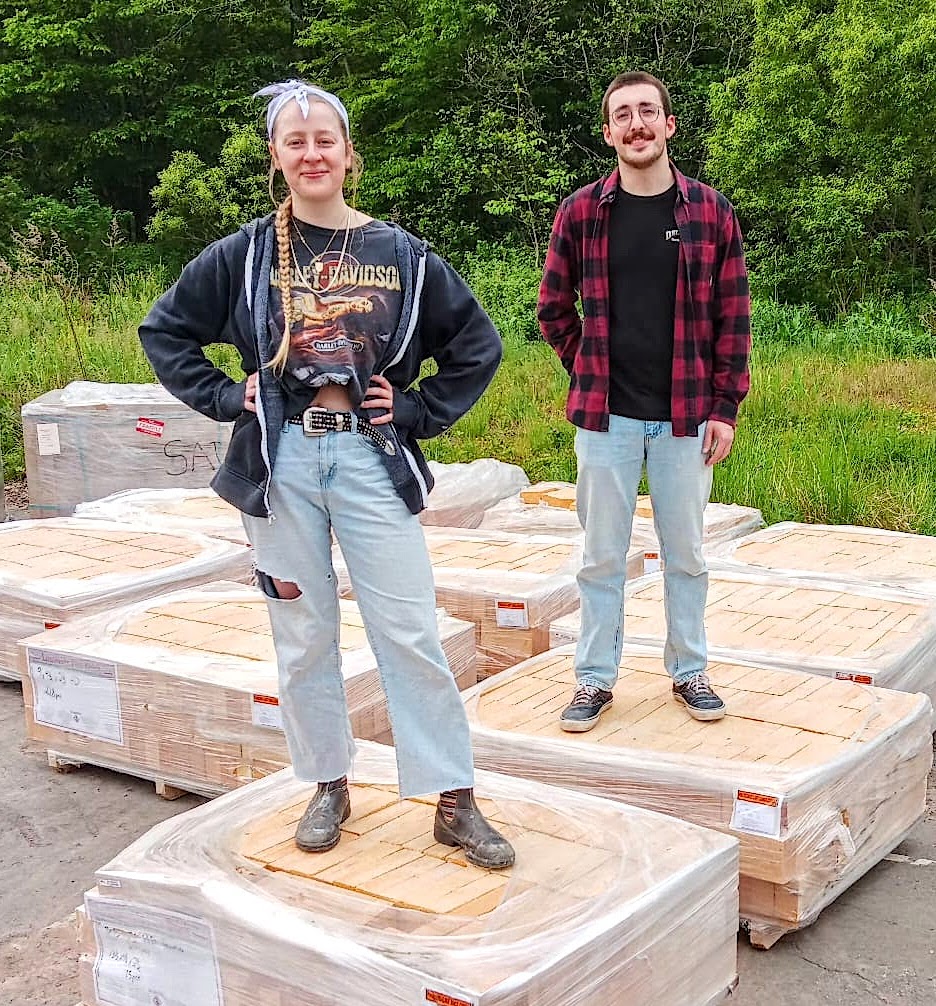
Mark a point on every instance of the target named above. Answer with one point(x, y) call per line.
point(426, 921)
point(838, 755)
point(198, 701)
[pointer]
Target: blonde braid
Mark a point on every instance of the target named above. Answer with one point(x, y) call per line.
point(283, 246)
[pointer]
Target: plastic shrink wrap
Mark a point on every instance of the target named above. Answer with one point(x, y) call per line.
point(819, 779)
point(549, 508)
point(52, 571)
point(199, 510)
point(607, 904)
point(464, 490)
point(182, 689)
point(89, 440)
point(834, 552)
point(874, 635)
point(511, 586)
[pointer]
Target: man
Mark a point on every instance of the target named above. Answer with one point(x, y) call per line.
point(658, 366)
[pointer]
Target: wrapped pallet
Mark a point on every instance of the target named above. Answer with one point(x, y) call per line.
point(511, 586)
point(463, 491)
point(549, 508)
point(89, 440)
point(834, 552)
point(607, 904)
point(873, 635)
point(52, 571)
point(200, 510)
point(182, 688)
point(819, 779)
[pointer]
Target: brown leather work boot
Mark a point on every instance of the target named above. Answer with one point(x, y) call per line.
point(466, 826)
point(320, 827)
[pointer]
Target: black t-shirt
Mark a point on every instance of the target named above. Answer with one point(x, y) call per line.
point(643, 258)
point(347, 297)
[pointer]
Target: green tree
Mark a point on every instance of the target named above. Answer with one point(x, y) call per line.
point(826, 143)
point(101, 92)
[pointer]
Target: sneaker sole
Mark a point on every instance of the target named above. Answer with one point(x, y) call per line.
point(705, 715)
point(583, 726)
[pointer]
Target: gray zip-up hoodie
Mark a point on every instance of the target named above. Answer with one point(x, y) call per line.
point(222, 296)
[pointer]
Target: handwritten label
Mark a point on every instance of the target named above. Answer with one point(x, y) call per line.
point(757, 813)
point(77, 694)
point(47, 439)
point(187, 458)
point(265, 712)
point(151, 427)
point(511, 614)
point(151, 957)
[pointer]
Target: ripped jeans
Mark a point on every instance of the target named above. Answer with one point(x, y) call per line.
point(339, 481)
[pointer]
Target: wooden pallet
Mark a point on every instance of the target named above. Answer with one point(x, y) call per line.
point(864, 554)
point(89, 440)
point(64, 764)
point(847, 764)
point(549, 508)
point(419, 914)
point(198, 510)
point(183, 689)
point(875, 635)
point(52, 571)
point(510, 586)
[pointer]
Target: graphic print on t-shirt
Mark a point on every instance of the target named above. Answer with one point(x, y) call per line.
point(345, 305)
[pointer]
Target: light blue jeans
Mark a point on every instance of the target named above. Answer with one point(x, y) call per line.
point(339, 481)
point(609, 469)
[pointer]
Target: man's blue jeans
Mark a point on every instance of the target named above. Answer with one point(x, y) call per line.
point(339, 481)
point(609, 469)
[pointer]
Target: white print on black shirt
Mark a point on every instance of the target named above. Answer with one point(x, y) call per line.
point(672, 235)
point(344, 313)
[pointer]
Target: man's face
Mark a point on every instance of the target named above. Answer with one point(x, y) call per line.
point(637, 126)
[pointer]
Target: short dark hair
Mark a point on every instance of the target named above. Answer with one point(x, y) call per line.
point(636, 77)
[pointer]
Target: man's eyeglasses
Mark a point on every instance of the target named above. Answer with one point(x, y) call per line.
point(648, 112)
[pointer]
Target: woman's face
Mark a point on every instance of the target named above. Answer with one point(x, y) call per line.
point(311, 151)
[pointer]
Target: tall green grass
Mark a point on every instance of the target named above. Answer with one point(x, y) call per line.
point(840, 425)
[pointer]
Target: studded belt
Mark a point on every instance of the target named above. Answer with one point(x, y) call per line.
point(316, 422)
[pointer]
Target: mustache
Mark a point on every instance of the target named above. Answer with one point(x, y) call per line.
point(638, 134)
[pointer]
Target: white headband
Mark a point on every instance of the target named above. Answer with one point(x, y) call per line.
point(288, 90)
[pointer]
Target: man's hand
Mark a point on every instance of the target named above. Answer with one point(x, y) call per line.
point(716, 445)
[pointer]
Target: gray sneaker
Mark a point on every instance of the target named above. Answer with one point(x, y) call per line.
point(583, 712)
point(697, 696)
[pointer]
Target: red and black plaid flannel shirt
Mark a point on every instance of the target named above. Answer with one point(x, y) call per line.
point(712, 329)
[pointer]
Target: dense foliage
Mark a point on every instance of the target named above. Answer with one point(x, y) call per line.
point(817, 117)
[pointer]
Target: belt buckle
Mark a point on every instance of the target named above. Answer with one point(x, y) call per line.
point(307, 428)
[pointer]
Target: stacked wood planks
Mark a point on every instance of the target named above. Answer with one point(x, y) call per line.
point(199, 510)
point(89, 440)
point(549, 508)
point(182, 689)
point(219, 902)
point(818, 778)
point(873, 635)
point(52, 571)
point(865, 554)
point(511, 586)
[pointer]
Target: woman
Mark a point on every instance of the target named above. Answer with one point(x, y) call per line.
point(325, 429)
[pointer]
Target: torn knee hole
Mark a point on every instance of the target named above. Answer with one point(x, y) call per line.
point(272, 587)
